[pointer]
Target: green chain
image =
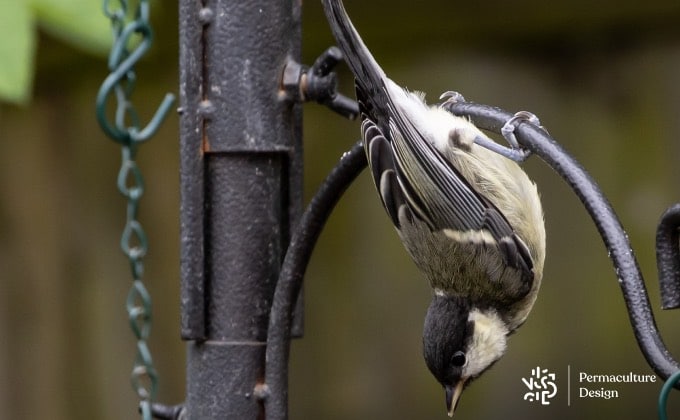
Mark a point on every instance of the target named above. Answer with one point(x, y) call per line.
point(125, 130)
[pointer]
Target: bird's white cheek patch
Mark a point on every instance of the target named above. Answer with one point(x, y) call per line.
point(471, 236)
point(490, 336)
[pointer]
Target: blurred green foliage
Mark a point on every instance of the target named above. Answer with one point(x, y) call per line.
point(602, 76)
point(17, 41)
point(77, 22)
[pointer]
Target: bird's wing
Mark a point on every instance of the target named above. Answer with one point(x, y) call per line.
point(409, 170)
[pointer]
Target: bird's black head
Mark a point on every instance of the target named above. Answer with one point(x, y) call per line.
point(461, 341)
point(446, 337)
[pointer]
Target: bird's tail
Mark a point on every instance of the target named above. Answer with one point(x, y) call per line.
point(369, 76)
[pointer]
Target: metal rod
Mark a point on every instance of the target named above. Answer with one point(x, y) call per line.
point(275, 390)
point(614, 237)
point(668, 257)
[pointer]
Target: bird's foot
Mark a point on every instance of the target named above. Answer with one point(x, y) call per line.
point(515, 152)
point(451, 96)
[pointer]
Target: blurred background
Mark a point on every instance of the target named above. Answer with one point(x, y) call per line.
point(604, 78)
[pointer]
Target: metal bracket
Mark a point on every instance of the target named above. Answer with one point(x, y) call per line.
point(318, 83)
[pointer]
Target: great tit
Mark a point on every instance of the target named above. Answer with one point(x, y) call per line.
point(466, 212)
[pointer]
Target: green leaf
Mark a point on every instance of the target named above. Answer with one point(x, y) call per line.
point(79, 22)
point(17, 44)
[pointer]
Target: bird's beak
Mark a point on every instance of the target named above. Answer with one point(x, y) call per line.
point(453, 396)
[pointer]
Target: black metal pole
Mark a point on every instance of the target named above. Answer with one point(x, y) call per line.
point(241, 176)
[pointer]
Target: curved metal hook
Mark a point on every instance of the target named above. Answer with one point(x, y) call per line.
point(615, 239)
point(121, 63)
point(668, 257)
point(274, 390)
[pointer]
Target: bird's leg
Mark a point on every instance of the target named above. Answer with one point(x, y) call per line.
point(517, 154)
point(515, 151)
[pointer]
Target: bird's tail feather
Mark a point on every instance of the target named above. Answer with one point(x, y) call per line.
point(369, 76)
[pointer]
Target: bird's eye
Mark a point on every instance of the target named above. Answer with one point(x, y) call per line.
point(459, 359)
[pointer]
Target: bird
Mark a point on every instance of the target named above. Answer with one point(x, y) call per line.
point(466, 212)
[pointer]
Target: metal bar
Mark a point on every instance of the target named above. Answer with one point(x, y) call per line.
point(668, 257)
point(614, 237)
point(241, 175)
point(275, 392)
point(192, 114)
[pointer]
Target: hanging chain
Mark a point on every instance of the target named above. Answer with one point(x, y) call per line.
point(125, 129)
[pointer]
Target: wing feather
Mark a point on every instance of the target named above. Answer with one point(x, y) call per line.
point(434, 190)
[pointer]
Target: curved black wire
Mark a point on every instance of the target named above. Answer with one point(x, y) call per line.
point(615, 239)
point(275, 390)
point(668, 257)
point(275, 394)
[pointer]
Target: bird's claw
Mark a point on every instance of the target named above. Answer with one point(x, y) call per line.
point(508, 129)
point(515, 151)
point(451, 97)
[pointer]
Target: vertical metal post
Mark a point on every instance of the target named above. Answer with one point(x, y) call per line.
point(241, 187)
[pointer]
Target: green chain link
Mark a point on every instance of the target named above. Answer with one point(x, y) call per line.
point(125, 130)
